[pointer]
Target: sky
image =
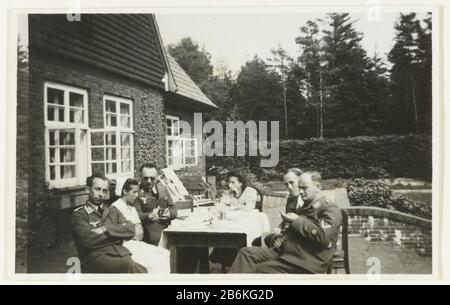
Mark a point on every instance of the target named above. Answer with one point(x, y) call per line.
point(232, 39)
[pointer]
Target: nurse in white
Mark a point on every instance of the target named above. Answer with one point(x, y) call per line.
point(155, 259)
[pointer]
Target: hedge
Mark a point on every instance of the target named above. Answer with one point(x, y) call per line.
point(378, 194)
point(407, 156)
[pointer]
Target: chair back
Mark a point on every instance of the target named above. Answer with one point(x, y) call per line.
point(259, 201)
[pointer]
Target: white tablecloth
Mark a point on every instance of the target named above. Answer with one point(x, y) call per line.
point(251, 222)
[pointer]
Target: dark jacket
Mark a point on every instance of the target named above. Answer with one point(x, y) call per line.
point(291, 207)
point(91, 245)
point(312, 237)
point(146, 203)
point(291, 204)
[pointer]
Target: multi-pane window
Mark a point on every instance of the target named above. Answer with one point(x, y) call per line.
point(55, 105)
point(173, 126)
point(174, 143)
point(65, 134)
point(181, 151)
point(190, 151)
point(65, 105)
point(112, 147)
point(73, 151)
point(117, 113)
point(174, 153)
point(111, 152)
point(62, 151)
point(76, 108)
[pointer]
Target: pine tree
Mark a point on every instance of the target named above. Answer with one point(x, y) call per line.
point(257, 93)
point(345, 78)
point(311, 64)
point(218, 89)
point(280, 63)
point(425, 75)
point(377, 90)
point(302, 116)
point(411, 74)
point(195, 61)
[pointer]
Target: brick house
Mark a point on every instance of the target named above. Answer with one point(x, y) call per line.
point(96, 95)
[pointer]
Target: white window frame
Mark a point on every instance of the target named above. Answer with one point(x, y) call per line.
point(195, 143)
point(80, 130)
point(67, 89)
point(118, 101)
point(118, 130)
point(182, 145)
point(118, 148)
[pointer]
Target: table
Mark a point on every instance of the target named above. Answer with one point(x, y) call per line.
point(202, 230)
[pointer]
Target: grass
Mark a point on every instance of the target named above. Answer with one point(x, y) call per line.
point(423, 197)
point(409, 187)
point(327, 184)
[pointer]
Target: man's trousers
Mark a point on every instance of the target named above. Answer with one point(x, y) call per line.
point(263, 260)
point(112, 264)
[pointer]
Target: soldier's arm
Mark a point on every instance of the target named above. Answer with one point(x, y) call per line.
point(122, 229)
point(323, 232)
point(142, 215)
point(83, 232)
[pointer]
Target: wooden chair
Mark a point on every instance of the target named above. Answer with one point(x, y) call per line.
point(257, 242)
point(259, 202)
point(340, 259)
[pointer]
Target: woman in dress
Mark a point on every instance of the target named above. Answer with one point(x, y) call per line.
point(155, 259)
point(240, 196)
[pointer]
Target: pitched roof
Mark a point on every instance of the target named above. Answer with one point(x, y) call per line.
point(124, 44)
point(184, 85)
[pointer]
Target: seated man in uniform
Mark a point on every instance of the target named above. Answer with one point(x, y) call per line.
point(154, 205)
point(309, 242)
point(293, 203)
point(99, 232)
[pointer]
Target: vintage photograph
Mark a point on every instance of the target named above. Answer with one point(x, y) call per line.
point(225, 143)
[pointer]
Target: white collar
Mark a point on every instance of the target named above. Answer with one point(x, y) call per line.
point(300, 202)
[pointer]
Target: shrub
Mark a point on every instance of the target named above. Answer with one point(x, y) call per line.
point(369, 193)
point(407, 156)
point(42, 228)
point(406, 205)
point(378, 194)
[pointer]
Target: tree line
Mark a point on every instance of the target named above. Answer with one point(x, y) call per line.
point(333, 88)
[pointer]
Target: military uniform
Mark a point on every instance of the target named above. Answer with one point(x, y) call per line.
point(310, 243)
point(149, 200)
point(293, 203)
point(103, 253)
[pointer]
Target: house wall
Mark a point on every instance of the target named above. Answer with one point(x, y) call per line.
point(34, 203)
point(22, 155)
point(148, 106)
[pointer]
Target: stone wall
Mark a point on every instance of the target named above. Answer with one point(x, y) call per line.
point(375, 229)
